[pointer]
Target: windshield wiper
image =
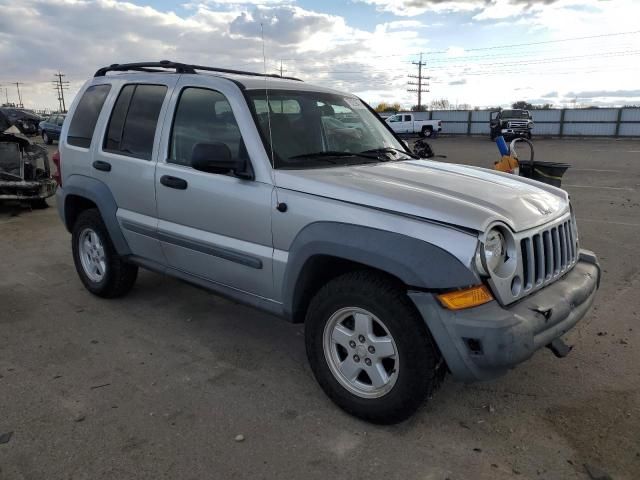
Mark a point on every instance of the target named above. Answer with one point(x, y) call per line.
point(391, 150)
point(335, 154)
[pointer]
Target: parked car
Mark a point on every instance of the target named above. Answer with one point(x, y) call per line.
point(402, 269)
point(25, 174)
point(415, 122)
point(25, 120)
point(511, 124)
point(50, 128)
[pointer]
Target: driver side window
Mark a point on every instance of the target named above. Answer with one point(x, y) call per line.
point(203, 116)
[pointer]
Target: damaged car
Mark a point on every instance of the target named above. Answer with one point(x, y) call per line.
point(24, 120)
point(25, 173)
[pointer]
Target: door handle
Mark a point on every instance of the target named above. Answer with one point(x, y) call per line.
point(103, 166)
point(173, 182)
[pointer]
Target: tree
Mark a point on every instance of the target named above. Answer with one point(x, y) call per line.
point(522, 105)
point(421, 108)
point(440, 104)
point(388, 107)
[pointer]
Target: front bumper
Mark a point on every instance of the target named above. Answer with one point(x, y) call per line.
point(27, 189)
point(484, 342)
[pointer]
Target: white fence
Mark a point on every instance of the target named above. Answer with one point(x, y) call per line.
point(599, 122)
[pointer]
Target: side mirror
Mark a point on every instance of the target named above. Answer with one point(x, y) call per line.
point(213, 158)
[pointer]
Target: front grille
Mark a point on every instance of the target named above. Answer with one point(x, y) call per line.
point(548, 254)
point(517, 124)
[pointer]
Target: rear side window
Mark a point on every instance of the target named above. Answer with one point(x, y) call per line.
point(134, 119)
point(86, 115)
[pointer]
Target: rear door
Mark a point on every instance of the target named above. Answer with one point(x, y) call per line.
point(214, 226)
point(407, 124)
point(125, 158)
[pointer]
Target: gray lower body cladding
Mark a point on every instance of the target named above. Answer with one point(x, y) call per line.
point(484, 342)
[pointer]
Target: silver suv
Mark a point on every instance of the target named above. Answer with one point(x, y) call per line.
point(300, 201)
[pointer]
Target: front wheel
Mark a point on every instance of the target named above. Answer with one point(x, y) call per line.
point(46, 138)
point(102, 271)
point(369, 348)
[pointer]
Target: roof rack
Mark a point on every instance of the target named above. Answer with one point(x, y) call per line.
point(178, 67)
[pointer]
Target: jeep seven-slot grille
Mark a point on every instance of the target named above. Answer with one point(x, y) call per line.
point(548, 254)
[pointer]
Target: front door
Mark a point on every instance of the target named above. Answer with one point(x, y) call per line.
point(212, 226)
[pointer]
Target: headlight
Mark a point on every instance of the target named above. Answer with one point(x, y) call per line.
point(495, 250)
point(498, 253)
point(530, 124)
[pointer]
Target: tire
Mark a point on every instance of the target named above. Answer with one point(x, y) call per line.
point(46, 138)
point(117, 276)
point(426, 132)
point(415, 370)
point(39, 204)
point(529, 135)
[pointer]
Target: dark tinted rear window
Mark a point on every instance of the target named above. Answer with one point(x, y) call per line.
point(86, 115)
point(132, 126)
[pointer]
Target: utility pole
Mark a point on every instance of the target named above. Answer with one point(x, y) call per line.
point(422, 82)
point(60, 86)
point(6, 93)
point(20, 104)
point(281, 70)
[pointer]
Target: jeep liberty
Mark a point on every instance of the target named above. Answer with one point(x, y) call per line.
point(402, 269)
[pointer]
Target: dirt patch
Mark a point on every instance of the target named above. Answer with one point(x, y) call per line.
point(604, 430)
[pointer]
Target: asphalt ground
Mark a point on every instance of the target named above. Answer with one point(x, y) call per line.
point(157, 385)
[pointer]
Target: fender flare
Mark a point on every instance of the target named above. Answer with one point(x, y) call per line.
point(419, 264)
point(100, 194)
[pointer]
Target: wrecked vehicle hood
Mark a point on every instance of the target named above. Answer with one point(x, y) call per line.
point(464, 196)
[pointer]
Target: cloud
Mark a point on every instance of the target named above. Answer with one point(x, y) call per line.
point(286, 25)
point(316, 46)
point(493, 8)
point(550, 95)
point(605, 94)
point(461, 81)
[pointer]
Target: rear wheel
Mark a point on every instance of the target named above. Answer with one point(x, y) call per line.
point(426, 131)
point(369, 348)
point(102, 271)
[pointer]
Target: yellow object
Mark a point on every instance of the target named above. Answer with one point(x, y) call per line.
point(467, 298)
point(507, 164)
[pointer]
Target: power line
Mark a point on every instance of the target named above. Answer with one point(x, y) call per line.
point(544, 42)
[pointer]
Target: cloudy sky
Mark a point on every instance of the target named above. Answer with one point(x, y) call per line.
point(478, 52)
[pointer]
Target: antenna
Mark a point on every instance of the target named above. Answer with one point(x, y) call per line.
point(266, 92)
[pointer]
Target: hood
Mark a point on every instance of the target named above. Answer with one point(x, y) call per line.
point(464, 196)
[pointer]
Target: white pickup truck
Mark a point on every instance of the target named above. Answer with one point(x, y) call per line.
point(415, 122)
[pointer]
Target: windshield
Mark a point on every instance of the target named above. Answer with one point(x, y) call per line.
point(316, 129)
point(515, 114)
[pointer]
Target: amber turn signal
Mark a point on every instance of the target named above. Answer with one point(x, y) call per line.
point(467, 298)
